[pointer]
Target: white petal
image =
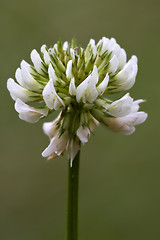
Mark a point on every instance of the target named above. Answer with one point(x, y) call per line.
point(115, 50)
point(52, 75)
point(112, 44)
point(81, 90)
point(26, 65)
point(138, 117)
point(69, 73)
point(62, 143)
point(124, 106)
point(121, 107)
point(18, 77)
point(50, 149)
point(47, 58)
point(72, 52)
point(135, 105)
point(122, 58)
point(103, 85)
point(65, 45)
point(29, 82)
point(91, 92)
point(105, 45)
point(55, 48)
point(72, 149)
point(128, 74)
point(58, 103)
point(113, 65)
point(93, 47)
point(92, 122)
point(16, 91)
point(118, 52)
point(57, 145)
point(52, 100)
point(72, 87)
point(86, 91)
point(28, 113)
point(84, 134)
point(93, 77)
point(37, 61)
point(126, 124)
point(131, 80)
point(51, 128)
point(129, 131)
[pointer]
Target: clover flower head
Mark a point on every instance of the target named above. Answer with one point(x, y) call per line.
point(77, 82)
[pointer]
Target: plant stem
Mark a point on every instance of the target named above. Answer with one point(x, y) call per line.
point(72, 201)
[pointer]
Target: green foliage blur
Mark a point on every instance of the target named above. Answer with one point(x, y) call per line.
point(119, 175)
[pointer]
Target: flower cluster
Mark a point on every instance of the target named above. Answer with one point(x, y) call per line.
point(77, 82)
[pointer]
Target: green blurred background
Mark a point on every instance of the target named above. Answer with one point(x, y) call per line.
point(119, 175)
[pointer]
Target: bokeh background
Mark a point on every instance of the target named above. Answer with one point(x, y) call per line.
point(119, 175)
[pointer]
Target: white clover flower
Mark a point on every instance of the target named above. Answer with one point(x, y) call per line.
point(57, 145)
point(77, 82)
point(125, 124)
point(28, 113)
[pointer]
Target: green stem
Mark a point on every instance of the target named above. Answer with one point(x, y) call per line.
point(72, 201)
